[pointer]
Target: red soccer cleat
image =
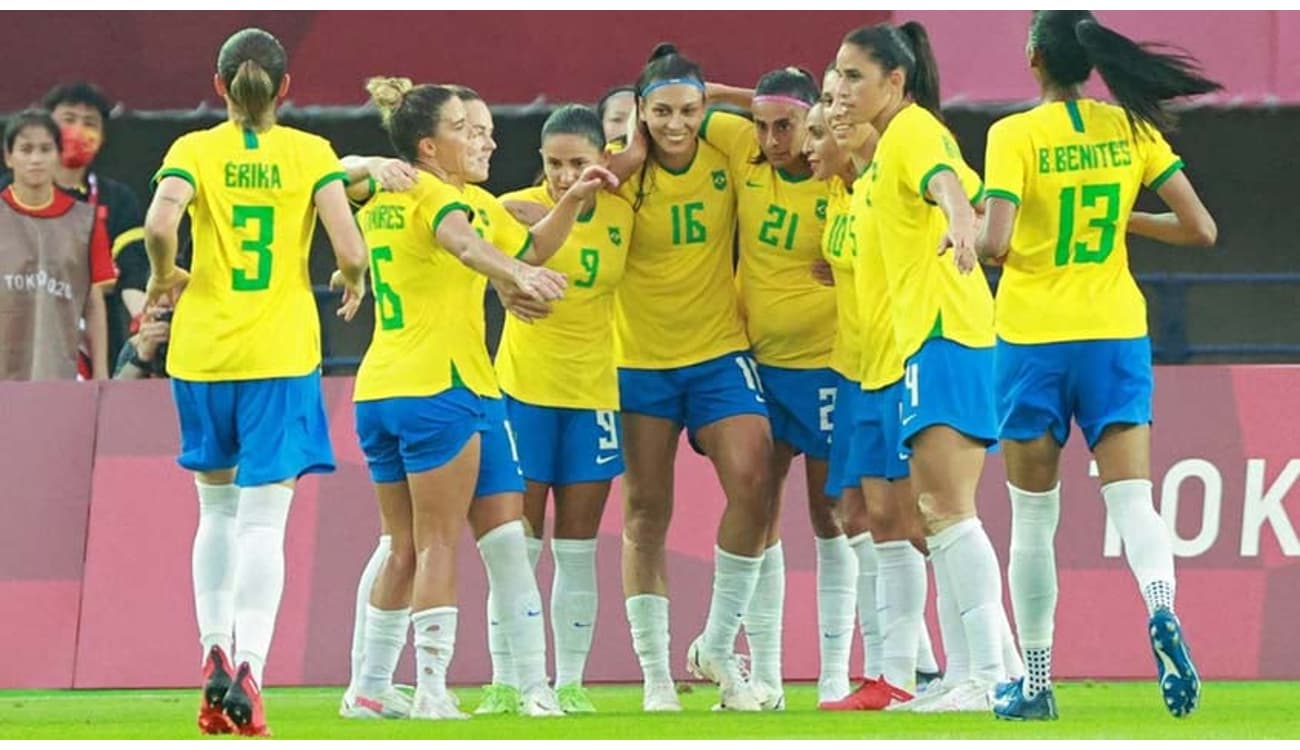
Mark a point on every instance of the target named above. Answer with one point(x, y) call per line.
point(216, 681)
point(874, 695)
point(243, 705)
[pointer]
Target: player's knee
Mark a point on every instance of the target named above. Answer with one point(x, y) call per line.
point(400, 564)
point(645, 529)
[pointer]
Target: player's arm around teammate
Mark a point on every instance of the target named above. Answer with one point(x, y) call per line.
point(1071, 321)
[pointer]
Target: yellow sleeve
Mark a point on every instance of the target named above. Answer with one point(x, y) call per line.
point(325, 165)
point(1159, 162)
point(437, 204)
point(508, 234)
point(1004, 164)
point(930, 150)
point(731, 134)
point(181, 161)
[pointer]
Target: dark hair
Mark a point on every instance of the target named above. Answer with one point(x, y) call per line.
point(793, 82)
point(1140, 76)
point(465, 93)
point(907, 47)
point(603, 103)
point(409, 112)
point(32, 118)
point(665, 63)
point(252, 65)
point(78, 92)
point(576, 119)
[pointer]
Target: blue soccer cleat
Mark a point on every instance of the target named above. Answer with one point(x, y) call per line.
point(1179, 682)
point(1012, 704)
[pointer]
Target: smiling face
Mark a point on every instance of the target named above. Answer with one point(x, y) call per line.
point(673, 115)
point(482, 143)
point(450, 148)
point(779, 126)
point(618, 110)
point(819, 146)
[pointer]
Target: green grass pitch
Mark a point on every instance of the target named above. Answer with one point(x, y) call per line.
point(1115, 710)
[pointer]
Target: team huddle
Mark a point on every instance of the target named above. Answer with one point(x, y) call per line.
point(856, 327)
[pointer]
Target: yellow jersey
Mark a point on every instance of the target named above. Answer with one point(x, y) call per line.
point(248, 311)
point(1074, 168)
point(840, 249)
point(429, 329)
point(789, 316)
point(567, 358)
point(880, 362)
point(677, 305)
point(930, 297)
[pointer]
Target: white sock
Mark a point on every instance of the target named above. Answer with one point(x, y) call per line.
point(1031, 574)
point(873, 651)
point(763, 622)
point(900, 599)
point(965, 550)
point(1010, 654)
point(435, 644)
point(574, 604)
point(213, 565)
point(503, 662)
point(519, 604)
point(957, 653)
point(534, 551)
point(925, 661)
point(384, 638)
point(647, 618)
point(368, 573)
point(734, 580)
point(1147, 547)
point(259, 571)
point(837, 572)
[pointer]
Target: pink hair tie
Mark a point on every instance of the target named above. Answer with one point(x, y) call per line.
point(779, 99)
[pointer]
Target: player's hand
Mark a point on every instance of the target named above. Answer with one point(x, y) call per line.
point(519, 304)
point(152, 334)
point(592, 179)
point(539, 282)
point(164, 290)
point(354, 291)
point(961, 238)
point(526, 212)
point(393, 175)
point(821, 271)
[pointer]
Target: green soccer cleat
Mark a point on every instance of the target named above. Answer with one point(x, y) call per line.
point(499, 699)
point(574, 699)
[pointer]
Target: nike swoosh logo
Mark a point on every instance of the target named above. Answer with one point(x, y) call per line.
point(830, 635)
point(581, 624)
point(751, 183)
point(532, 612)
point(908, 418)
point(602, 460)
point(1170, 667)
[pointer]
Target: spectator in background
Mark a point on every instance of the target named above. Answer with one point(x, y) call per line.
point(81, 111)
point(48, 280)
point(144, 355)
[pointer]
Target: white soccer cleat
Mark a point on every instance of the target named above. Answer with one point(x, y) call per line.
point(966, 696)
point(770, 698)
point(540, 702)
point(736, 693)
point(395, 703)
point(831, 689)
point(436, 706)
point(660, 697)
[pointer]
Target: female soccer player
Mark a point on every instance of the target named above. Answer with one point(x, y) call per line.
point(245, 352)
point(941, 370)
point(1071, 322)
point(790, 321)
point(617, 111)
point(684, 361)
point(561, 390)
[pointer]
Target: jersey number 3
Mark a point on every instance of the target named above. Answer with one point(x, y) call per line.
point(241, 280)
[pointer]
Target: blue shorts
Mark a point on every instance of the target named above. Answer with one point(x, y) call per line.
point(876, 452)
point(1097, 383)
point(842, 474)
point(498, 468)
point(696, 395)
point(272, 429)
point(409, 435)
point(949, 384)
point(565, 446)
point(800, 403)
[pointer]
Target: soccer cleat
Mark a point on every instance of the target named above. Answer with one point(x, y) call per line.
point(1004, 689)
point(436, 706)
point(660, 697)
point(540, 702)
point(243, 705)
point(216, 682)
point(1179, 682)
point(394, 703)
point(1013, 705)
point(736, 693)
point(968, 695)
point(831, 689)
point(499, 699)
point(872, 695)
point(574, 699)
point(770, 698)
point(927, 681)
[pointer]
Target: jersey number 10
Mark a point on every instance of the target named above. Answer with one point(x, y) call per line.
point(1069, 251)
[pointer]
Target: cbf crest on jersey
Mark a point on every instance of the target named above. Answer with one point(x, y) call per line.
point(720, 179)
point(615, 236)
point(821, 209)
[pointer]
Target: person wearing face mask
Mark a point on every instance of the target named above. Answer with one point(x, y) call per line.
point(47, 282)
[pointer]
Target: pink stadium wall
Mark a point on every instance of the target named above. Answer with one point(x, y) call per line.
point(152, 60)
point(97, 524)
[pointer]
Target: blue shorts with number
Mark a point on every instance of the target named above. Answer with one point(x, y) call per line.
point(1097, 383)
point(949, 384)
point(272, 429)
point(498, 469)
point(876, 451)
point(696, 395)
point(842, 474)
point(559, 446)
point(409, 435)
point(800, 403)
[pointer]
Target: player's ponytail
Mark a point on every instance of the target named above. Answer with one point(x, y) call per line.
point(1141, 76)
point(408, 112)
point(905, 47)
point(252, 65)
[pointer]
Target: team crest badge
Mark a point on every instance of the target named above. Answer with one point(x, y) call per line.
point(821, 209)
point(615, 236)
point(720, 179)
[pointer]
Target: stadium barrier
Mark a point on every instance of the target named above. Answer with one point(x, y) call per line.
point(98, 521)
